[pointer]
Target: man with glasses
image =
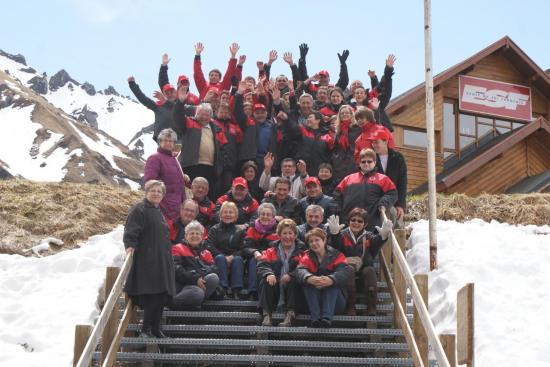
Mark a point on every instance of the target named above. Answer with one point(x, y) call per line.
point(366, 189)
point(188, 213)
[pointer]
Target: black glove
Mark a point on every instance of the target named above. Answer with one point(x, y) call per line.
point(234, 81)
point(303, 50)
point(344, 56)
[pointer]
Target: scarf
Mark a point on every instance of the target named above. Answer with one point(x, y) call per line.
point(265, 228)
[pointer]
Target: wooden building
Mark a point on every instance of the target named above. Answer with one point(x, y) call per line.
point(491, 125)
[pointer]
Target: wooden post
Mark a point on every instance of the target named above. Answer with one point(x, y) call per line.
point(111, 326)
point(400, 283)
point(81, 335)
point(448, 341)
point(386, 250)
point(465, 325)
point(418, 329)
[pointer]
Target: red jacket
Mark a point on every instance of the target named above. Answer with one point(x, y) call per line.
point(363, 141)
point(201, 83)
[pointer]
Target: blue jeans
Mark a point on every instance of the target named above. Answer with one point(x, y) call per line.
point(252, 279)
point(324, 303)
point(237, 271)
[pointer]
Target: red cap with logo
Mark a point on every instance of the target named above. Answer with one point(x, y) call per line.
point(167, 87)
point(183, 78)
point(312, 179)
point(258, 106)
point(379, 134)
point(324, 72)
point(239, 181)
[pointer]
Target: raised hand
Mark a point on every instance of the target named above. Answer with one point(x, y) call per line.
point(272, 57)
point(242, 59)
point(183, 92)
point(260, 65)
point(268, 162)
point(260, 85)
point(242, 87)
point(199, 48)
point(302, 167)
point(375, 102)
point(344, 56)
point(290, 85)
point(158, 95)
point(165, 59)
point(303, 50)
point(390, 60)
point(287, 57)
point(131, 79)
point(234, 48)
point(334, 225)
point(371, 73)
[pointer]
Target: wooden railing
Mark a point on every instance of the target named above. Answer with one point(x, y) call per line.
point(87, 339)
point(423, 334)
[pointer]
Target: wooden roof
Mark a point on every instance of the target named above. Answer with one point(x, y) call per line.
point(532, 72)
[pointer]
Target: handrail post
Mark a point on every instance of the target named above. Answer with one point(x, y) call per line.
point(465, 314)
point(111, 275)
point(81, 335)
point(400, 284)
point(418, 329)
point(448, 341)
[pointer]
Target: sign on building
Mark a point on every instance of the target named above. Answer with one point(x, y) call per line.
point(489, 97)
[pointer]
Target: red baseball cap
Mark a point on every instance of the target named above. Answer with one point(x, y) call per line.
point(183, 78)
point(215, 90)
point(258, 106)
point(379, 134)
point(324, 72)
point(312, 179)
point(239, 181)
point(167, 87)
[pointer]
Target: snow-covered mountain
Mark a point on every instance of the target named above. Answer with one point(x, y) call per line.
point(55, 128)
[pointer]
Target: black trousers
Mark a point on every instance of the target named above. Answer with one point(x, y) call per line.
point(153, 305)
point(268, 296)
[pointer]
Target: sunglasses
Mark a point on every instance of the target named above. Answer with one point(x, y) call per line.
point(356, 220)
point(369, 161)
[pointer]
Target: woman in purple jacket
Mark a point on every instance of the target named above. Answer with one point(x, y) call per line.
point(163, 166)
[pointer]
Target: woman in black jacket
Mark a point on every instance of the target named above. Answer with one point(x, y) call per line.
point(277, 282)
point(224, 242)
point(196, 278)
point(151, 281)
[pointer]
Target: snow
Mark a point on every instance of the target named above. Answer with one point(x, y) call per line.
point(133, 184)
point(15, 152)
point(44, 298)
point(509, 266)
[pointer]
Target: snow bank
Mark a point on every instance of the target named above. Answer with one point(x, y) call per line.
point(509, 266)
point(44, 298)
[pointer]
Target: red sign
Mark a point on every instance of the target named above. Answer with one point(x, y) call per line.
point(510, 101)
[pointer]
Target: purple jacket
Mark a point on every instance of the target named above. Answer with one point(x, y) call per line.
point(164, 167)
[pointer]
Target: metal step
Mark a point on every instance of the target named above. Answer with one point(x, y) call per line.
point(251, 344)
point(278, 360)
point(252, 330)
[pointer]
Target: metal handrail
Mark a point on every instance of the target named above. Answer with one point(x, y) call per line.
point(422, 310)
point(86, 357)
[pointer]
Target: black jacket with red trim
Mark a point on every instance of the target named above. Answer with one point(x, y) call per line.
point(191, 264)
point(190, 132)
point(248, 208)
point(192, 99)
point(368, 191)
point(333, 265)
point(206, 211)
point(225, 239)
point(256, 241)
point(396, 170)
point(271, 263)
point(314, 147)
point(234, 137)
point(177, 231)
point(350, 245)
point(329, 205)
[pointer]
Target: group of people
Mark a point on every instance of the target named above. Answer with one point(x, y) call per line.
point(251, 180)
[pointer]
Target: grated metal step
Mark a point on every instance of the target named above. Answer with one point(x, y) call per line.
point(278, 360)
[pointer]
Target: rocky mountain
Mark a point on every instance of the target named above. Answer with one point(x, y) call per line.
point(57, 129)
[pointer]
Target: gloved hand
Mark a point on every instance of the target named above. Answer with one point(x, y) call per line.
point(334, 225)
point(303, 50)
point(384, 232)
point(344, 56)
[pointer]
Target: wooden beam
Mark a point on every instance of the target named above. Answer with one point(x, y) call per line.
point(400, 284)
point(465, 325)
point(418, 329)
point(110, 357)
point(110, 328)
point(449, 345)
point(81, 335)
point(386, 250)
point(402, 320)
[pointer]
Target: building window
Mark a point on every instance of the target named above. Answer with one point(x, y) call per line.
point(415, 138)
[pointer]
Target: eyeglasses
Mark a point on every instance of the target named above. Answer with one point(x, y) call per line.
point(369, 161)
point(356, 220)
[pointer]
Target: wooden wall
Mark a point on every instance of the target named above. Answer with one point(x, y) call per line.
point(417, 166)
point(538, 153)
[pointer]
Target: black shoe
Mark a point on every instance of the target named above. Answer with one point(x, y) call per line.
point(159, 334)
point(316, 324)
point(242, 294)
point(228, 293)
point(253, 296)
point(147, 334)
point(326, 323)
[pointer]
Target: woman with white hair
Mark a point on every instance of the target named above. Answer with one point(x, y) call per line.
point(202, 142)
point(151, 281)
point(163, 166)
point(196, 278)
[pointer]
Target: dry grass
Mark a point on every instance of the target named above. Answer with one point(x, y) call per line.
point(31, 211)
point(512, 209)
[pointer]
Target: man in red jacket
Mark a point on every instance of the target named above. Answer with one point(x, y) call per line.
point(214, 76)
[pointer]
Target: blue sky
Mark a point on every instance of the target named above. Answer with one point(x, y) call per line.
point(105, 41)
